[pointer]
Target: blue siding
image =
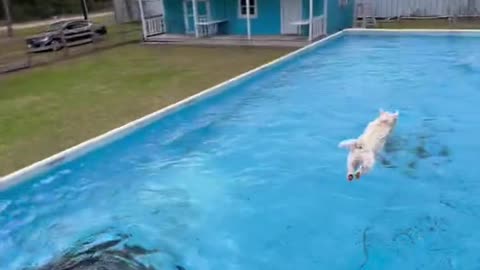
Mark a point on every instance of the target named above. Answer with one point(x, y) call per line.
point(317, 8)
point(267, 21)
point(174, 16)
point(317, 11)
point(219, 11)
point(339, 18)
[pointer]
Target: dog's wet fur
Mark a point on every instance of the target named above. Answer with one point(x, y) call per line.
point(364, 150)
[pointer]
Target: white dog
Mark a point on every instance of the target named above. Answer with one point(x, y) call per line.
point(364, 149)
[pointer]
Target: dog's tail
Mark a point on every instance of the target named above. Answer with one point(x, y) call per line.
point(347, 144)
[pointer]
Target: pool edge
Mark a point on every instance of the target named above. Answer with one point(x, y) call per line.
point(96, 142)
point(410, 31)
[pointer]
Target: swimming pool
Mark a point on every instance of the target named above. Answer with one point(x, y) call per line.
point(215, 185)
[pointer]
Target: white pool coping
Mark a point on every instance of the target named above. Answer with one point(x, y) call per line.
point(455, 32)
point(83, 148)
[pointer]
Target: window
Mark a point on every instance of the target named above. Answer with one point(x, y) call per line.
point(242, 8)
point(77, 25)
point(56, 26)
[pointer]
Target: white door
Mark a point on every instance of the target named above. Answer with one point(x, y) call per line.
point(291, 11)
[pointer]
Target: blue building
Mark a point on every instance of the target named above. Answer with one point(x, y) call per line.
point(247, 19)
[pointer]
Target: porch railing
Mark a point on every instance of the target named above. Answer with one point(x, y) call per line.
point(318, 26)
point(154, 25)
point(203, 30)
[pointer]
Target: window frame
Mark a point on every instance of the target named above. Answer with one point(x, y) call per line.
point(74, 25)
point(255, 9)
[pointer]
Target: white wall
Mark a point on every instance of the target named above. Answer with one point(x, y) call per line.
point(122, 15)
point(150, 7)
point(393, 8)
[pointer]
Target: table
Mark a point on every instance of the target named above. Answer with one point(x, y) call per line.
point(211, 24)
point(299, 25)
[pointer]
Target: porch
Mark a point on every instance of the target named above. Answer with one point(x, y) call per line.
point(291, 23)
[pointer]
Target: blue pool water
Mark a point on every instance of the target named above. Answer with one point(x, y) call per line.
point(253, 178)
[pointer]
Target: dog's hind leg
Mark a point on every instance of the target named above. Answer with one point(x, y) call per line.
point(352, 164)
point(368, 163)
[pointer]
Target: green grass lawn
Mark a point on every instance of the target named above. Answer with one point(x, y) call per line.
point(48, 109)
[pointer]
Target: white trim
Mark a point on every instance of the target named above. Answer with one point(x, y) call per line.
point(195, 17)
point(239, 8)
point(325, 16)
point(185, 17)
point(165, 25)
point(424, 32)
point(310, 21)
point(249, 26)
point(414, 30)
point(85, 147)
point(185, 14)
point(142, 17)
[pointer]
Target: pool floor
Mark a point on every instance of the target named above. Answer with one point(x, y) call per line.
point(253, 178)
